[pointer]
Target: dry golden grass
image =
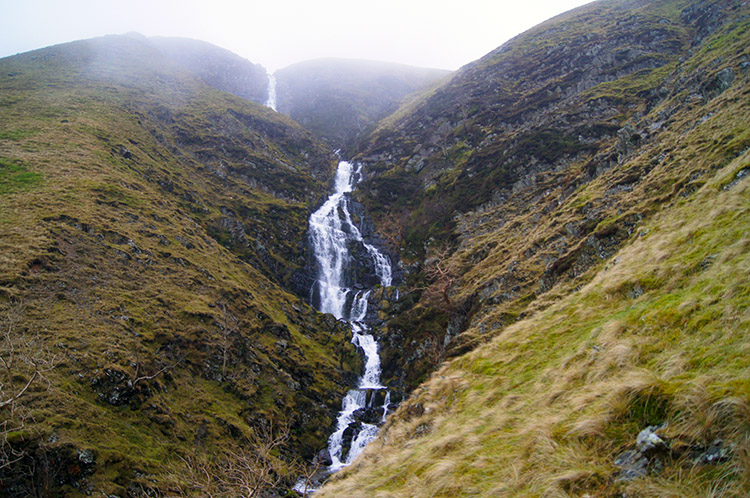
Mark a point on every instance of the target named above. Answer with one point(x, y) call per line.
point(544, 408)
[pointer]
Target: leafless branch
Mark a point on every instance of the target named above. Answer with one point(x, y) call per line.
point(248, 470)
point(442, 273)
point(24, 361)
point(141, 378)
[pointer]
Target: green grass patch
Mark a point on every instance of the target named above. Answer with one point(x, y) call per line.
point(15, 177)
point(17, 134)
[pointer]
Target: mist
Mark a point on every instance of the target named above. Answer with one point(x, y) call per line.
point(440, 34)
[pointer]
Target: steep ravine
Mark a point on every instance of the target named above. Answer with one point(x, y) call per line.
point(566, 220)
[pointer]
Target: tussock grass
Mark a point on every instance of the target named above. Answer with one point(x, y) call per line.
point(544, 408)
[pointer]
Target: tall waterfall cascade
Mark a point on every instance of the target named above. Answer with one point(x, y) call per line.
point(332, 234)
point(271, 100)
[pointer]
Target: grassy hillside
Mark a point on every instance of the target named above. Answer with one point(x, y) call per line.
point(547, 406)
point(148, 225)
point(339, 99)
point(570, 208)
point(536, 163)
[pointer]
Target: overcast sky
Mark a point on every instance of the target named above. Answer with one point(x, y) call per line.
point(276, 33)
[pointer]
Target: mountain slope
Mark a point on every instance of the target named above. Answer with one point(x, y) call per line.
point(538, 161)
point(216, 66)
point(149, 224)
point(574, 201)
point(338, 99)
point(549, 406)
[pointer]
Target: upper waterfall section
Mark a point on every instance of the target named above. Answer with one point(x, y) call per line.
point(271, 100)
point(333, 236)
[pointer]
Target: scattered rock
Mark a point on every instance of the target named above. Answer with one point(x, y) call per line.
point(649, 442)
point(635, 292)
point(422, 430)
point(415, 410)
point(113, 387)
point(86, 457)
point(633, 465)
point(125, 152)
point(716, 452)
point(646, 459)
point(739, 176)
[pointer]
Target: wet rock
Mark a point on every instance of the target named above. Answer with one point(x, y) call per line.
point(324, 457)
point(377, 397)
point(349, 434)
point(369, 415)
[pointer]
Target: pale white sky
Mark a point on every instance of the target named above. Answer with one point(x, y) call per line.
point(432, 33)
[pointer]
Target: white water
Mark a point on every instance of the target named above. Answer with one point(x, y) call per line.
point(271, 100)
point(331, 232)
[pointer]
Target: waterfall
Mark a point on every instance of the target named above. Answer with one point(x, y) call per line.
point(332, 234)
point(271, 100)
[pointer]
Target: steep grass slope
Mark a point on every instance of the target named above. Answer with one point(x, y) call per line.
point(339, 99)
point(575, 202)
point(547, 406)
point(148, 226)
point(537, 162)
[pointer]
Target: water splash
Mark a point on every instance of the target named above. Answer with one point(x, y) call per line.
point(332, 234)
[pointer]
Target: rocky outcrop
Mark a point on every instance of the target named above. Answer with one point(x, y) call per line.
point(533, 165)
point(653, 451)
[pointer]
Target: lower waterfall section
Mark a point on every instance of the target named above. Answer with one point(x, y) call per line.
point(333, 234)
